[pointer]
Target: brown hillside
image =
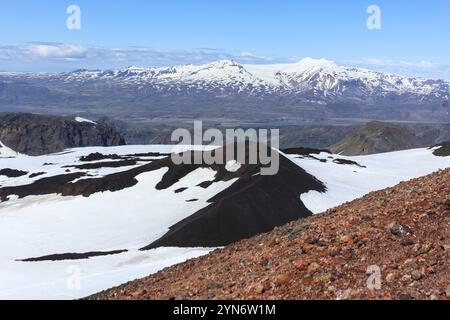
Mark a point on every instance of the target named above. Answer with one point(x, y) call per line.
point(404, 230)
point(376, 137)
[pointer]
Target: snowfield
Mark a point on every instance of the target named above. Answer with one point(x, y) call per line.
point(348, 182)
point(129, 219)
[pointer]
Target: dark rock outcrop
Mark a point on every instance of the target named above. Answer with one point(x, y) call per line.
point(443, 150)
point(34, 134)
point(73, 256)
point(12, 173)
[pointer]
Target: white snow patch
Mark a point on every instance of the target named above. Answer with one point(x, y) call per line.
point(59, 280)
point(232, 166)
point(7, 152)
point(80, 119)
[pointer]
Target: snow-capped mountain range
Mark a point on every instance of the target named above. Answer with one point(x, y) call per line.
point(314, 80)
point(225, 91)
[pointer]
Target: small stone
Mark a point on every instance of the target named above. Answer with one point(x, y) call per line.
point(391, 277)
point(406, 278)
point(424, 248)
point(323, 278)
point(139, 294)
point(273, 243)
point(430, 270)
point(399, 230)
point(313, 267)
point(416, 275)
point(212, 285)
point(300, 264)
point(410, 263)
point(346, 239)
point(264, 263)
point(423, 216)
point(259, 288)
point(361, 243)
point(312, 241)
point(282, 279)
point(407, 242)
point(387, 296)
point(447, 203)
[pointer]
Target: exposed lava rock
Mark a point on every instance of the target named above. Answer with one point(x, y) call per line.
point(12, 173)
point(180, 190)
point(50, 185)
point(105, 164)
point(348, 162)
point(304, 151)
point(97, 156)
point(73, 256)
point(444, 150)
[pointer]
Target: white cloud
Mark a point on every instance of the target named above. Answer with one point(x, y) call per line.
point(248, 56)
point(394, 63)
point(421, 68)
point(92, 56)
point(57, 51)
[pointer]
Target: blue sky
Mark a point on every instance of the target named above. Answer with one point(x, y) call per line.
point(118, 33)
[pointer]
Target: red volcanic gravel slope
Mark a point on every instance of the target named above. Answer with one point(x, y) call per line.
point(391, 244)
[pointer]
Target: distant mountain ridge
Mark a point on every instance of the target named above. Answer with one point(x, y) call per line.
point(315, 80)
point(307, 90)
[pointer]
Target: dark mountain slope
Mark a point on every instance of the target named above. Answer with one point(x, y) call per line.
point(253, 204)
point(376, 137)
point(34, 134)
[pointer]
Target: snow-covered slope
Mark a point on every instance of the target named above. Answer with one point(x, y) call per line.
point(94, 241)
point(373, 172)
point(6, 152)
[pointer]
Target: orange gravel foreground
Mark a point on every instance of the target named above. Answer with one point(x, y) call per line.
point(391, 244)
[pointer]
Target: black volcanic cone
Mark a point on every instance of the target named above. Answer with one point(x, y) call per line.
point(254, 204)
